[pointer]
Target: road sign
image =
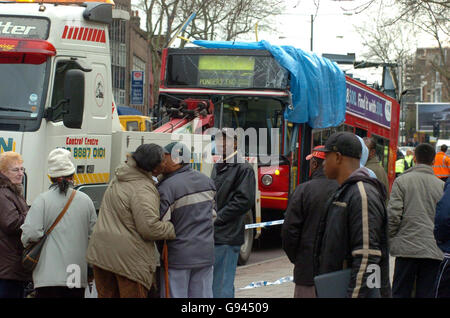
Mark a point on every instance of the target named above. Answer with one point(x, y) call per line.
point(137, 88)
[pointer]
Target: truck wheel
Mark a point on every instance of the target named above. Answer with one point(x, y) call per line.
point(246, 248)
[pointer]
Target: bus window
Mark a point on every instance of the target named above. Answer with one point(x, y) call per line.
point(360, 132)
point(255, 113)
point(320, 136)
point(382, 150)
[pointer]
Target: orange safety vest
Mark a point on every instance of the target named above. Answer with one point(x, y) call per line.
point(441, 165)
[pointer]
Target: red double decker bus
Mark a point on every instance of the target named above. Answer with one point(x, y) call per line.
point(243, 88)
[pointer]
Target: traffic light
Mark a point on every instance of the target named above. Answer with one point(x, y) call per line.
point(436, 129)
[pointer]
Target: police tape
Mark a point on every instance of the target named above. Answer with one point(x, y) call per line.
point(287, 279)
point(263, 224)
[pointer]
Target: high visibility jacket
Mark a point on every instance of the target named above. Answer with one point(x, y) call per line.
point(441, 165)
point(400, 165)
point(410, 161)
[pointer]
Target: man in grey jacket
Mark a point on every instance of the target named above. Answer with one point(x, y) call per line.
point(411, 213)
point(187, 200)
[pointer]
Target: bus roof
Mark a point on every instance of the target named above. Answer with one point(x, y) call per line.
point(318, 85)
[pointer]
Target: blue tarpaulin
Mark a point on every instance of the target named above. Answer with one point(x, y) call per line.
point(317, 84)
point(126, 110)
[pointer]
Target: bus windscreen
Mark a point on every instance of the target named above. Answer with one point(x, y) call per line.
point(225, 71)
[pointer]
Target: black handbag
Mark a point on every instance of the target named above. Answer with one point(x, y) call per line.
point(30, 256)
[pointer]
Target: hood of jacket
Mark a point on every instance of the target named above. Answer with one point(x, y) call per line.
point(362, 174)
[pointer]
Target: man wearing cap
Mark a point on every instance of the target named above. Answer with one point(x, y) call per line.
point(353, 231)
point(305, 208)
point(187, 200)
point(236, 188)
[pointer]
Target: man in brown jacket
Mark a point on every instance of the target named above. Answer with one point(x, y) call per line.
point(122, 247)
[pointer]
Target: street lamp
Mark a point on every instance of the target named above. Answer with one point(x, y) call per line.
point(312, 28)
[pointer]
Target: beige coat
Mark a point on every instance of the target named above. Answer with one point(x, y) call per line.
point(123, 241)
point(411, 212)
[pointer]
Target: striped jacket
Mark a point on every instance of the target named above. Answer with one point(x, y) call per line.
point(187, 200)
point(353, 234)
point(441, 166)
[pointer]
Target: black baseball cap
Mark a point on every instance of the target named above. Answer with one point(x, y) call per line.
point(346, 143)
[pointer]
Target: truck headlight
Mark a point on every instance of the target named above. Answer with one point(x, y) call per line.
point(267, 179)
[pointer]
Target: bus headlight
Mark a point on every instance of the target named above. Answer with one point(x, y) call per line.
point(267, 179)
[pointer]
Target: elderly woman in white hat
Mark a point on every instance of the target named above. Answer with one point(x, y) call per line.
point(62, 268)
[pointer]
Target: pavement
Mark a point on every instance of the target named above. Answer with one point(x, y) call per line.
point(267, 271)
point(270, 271)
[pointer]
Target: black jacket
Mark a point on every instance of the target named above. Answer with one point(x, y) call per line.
point(304, 211)
point(235, 196)
point(353, 234)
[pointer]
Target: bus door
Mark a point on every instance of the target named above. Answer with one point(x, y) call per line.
point(290, 152)
point(382, 150)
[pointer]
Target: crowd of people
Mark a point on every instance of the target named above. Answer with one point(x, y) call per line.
point(166, 230)
point(345, 217)
point(176, 236)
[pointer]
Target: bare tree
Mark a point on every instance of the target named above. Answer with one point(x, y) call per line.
point(430, 17)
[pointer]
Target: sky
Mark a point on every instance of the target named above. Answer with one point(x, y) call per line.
point(333, 30)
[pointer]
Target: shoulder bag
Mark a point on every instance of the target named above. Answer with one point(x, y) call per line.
point(30, 256)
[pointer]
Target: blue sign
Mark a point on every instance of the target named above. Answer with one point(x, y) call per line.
point(137, 88)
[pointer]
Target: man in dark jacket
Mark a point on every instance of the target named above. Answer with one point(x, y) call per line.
point(305, 208)
point(235, 182)
point(353, 232)
point(187, 200)
point(442, 236)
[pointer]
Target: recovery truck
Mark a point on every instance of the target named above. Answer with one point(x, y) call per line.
point(56, 91)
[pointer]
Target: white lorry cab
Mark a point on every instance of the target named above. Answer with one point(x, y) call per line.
point(56, 91)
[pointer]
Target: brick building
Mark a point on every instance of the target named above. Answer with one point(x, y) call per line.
point(427, 80)
point(129, 52)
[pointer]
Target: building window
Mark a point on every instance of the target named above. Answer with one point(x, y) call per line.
point(117, 35)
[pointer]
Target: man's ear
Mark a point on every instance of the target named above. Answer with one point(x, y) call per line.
point(314, 164)
point(339, 158)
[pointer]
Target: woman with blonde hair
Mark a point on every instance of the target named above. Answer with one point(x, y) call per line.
point(13, 210)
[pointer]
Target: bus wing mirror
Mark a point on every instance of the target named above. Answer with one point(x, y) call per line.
point(74, 95)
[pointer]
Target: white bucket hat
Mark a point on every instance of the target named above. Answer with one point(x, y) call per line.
point(59, 163)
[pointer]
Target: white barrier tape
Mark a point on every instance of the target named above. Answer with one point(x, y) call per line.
point(263, 224)
point(287, 279)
